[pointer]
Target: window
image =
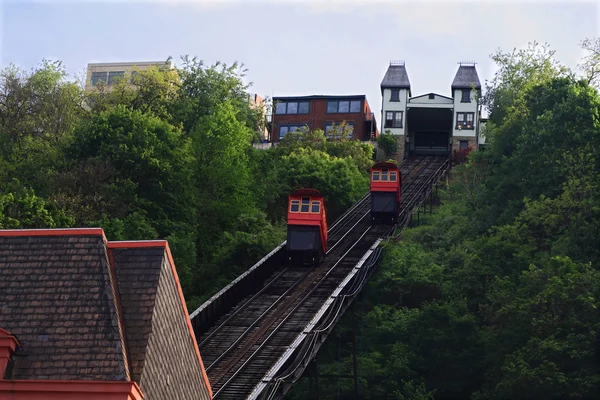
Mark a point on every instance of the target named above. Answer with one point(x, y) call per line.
point(432, 97)
point(464, 144)
point(393, 119)
point(280, 109)
point(336, 132)
point(466, 96)
point(97, 77)
point(464, 120)
point(315, 207)
point(343, 106)
point(395, 95)
point(294, 206)
point(292, 107)
point(305, 204)
point(384, 175)
point(114, 75)
point(284, 129)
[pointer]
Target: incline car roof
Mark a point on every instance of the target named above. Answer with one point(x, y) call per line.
point(385, 165)
point(306, 192)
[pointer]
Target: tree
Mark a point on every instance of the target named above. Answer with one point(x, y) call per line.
point(143, 163)
point(590, 64)
point(203, 88)
point(388, 143)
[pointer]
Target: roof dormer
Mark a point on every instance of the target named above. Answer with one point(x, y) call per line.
point(466, 78)
point(396, 77)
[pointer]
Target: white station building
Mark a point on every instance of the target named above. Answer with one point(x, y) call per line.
point(432, 123)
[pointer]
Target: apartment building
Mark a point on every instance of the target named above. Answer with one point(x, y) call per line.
point(323, 112)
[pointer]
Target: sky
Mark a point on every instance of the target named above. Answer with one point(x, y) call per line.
point(296, 47)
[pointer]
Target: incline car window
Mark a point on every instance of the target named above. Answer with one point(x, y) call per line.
point(392, 176)
point(305, 204)
point(295, 206)
point(315, 207)
point(375, 175)
point(384, 174)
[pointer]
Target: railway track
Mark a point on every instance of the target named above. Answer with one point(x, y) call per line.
point(241, 347)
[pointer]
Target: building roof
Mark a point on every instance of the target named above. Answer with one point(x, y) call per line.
point(396, 77)
point(320, 96)
point(465, 78)
point(131, 63)
point(83, 308)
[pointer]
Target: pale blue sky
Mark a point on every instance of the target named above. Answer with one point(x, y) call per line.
point(296, 48)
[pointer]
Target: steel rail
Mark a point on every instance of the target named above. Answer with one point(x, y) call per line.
point(276, 329)
point(346, 216)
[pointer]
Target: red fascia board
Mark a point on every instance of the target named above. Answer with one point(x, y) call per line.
point(54, 232)
point(69, 390)
point(163, 243)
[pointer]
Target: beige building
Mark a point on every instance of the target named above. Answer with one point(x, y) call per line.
point(109, 72)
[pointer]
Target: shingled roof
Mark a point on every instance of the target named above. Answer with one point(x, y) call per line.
point(465, 78)
point(83, 308)
point(396, 77)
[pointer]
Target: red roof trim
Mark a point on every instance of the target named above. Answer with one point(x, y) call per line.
point(133, 244)
point(165, 244)
point(53, 232)
point(41, 389)
point(187, 319)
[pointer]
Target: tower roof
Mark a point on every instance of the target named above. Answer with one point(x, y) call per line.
point(466, 77)
point(395, 77)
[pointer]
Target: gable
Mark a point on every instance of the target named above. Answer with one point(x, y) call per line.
point(426, 99)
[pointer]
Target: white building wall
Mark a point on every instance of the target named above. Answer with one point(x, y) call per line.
point(465, 107)
point(387, 105)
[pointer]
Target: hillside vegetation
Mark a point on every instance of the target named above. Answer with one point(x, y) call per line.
point(496, 295)
point(166, 156)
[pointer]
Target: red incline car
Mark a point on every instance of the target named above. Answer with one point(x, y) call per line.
point(386, 189)
point(307, 227)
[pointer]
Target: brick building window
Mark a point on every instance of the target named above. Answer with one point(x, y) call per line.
point(284, 129)
point(464, 144)
point(343, 106)
point(395, 95)
point(292, 107)
point(393, 119)
point(330, 132)
point(465, 120)
point(466, 96)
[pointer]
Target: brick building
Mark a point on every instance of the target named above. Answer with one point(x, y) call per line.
point(323, 112)
point(84, 318)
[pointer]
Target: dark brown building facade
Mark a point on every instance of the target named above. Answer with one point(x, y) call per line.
point(323, 112)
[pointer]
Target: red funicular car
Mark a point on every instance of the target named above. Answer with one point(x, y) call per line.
point(307, 227)
point(386, 189)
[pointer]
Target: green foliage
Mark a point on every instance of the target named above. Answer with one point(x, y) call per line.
point(20, 208)
point(388, 143)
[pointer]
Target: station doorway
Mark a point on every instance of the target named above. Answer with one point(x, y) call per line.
point(429, 130)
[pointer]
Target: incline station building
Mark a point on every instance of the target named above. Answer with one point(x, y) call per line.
point(432, 123)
